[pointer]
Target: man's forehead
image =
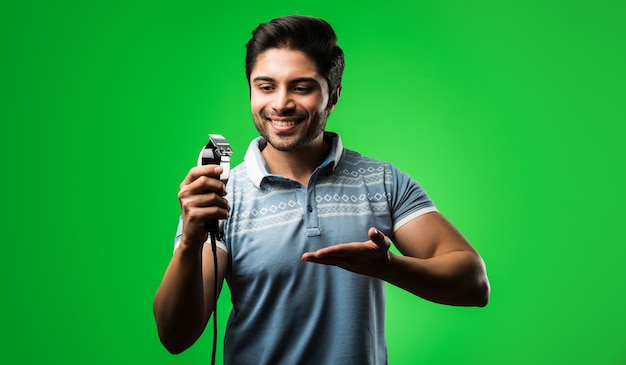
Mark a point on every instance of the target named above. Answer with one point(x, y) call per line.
point(284, 63)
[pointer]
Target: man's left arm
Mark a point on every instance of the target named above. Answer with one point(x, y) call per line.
point(437, 262)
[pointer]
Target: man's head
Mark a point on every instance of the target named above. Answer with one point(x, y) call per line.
point(294, 69)
point(313, 36)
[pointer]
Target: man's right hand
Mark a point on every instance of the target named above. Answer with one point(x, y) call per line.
point(201, 199)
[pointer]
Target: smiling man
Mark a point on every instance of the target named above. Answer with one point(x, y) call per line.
point(290, 104)
point(307, 225)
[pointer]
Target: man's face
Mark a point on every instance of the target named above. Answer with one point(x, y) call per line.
point(289, 99)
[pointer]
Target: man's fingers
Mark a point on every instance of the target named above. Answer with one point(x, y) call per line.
point(201, 180)
point(213, 171)
point(202, 201)
point(341, 250)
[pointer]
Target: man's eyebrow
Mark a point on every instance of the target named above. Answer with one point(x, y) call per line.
point(263, 78)
point(304, 79)
point(292, 81)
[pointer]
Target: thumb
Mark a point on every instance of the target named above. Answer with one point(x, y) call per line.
point(378, 237)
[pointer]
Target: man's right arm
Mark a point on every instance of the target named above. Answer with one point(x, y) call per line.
point(185, 299)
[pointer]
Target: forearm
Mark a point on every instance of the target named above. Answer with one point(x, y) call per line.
point(179, 304)
point(454, 278)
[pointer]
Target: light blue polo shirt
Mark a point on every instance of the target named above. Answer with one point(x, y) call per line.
point(286, 311)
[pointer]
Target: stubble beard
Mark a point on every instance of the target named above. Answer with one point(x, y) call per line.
point(293, 145)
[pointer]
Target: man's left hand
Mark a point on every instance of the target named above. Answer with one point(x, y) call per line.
point(368, 258)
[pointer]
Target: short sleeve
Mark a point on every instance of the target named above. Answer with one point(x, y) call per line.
point(408, 199)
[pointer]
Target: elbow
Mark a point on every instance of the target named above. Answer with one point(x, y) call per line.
point(476, 295)
point(482, 288)
point(173, 349)
point(167, 335)
point(171, 343)
point(476, 290)
point(483, 293)
point(174, 335)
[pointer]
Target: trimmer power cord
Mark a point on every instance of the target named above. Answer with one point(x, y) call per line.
point(214, 249)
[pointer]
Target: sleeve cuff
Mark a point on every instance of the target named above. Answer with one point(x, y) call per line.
point(412, 216)
point(219, 245)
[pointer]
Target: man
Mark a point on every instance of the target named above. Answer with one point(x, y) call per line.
point(308, 226)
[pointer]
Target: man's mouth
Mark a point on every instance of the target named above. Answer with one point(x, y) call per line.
point(284, 123)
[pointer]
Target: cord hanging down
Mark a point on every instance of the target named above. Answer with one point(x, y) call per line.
point(216, 152)
point(215, 283)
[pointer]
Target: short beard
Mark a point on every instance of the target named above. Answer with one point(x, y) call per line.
point(321, 125)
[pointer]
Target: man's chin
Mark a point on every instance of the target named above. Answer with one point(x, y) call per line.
point(289, 143)
point(283, 146)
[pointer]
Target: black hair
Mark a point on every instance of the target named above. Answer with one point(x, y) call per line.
point(313, 36)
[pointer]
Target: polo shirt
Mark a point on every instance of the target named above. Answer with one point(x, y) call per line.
point(285, 310)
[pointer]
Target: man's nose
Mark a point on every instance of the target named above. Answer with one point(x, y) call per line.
point(282, 100)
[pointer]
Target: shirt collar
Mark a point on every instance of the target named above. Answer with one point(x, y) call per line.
point(257, 168)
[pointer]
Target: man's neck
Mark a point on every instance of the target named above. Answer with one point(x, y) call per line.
point(296, 165)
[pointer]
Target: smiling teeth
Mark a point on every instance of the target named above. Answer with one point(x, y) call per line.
point(284, 123)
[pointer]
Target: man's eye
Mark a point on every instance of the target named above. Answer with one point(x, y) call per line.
point(302, 90)
point(265, 88)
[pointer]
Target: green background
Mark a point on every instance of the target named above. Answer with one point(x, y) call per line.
point(510, 114)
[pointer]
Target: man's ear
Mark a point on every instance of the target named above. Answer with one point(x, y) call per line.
point(334, 98)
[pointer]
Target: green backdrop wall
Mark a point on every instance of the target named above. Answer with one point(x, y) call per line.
point(510, 114)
